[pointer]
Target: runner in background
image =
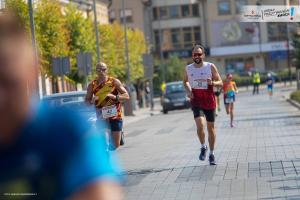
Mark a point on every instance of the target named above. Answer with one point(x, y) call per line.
point(270, 82)
point(229, 89)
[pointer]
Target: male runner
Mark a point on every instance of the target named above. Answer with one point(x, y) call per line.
point(108, 92)
point(199, 79)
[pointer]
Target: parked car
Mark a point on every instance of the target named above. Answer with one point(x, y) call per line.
point(174, 97)
point(72, 100)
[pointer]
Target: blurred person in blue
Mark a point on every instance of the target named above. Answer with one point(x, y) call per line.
point(45, 153)
point(270, 82)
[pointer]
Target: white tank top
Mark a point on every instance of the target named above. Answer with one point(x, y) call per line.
point(198, 75)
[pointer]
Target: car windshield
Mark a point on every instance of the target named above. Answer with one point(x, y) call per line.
point(74, 102)
point(175, 88)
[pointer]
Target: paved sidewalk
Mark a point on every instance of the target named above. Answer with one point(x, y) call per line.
point(258, 159)
point(143, 113)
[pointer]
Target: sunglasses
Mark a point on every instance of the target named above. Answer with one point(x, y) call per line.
point(101, 69)
point(198, 54)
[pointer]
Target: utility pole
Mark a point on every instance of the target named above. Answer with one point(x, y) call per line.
point(129, 102)
point(39, 93)
point(96, 30)
point(160, 36)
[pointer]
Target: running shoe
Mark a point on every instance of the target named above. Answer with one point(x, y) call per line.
point(212, 159)
point(203, 153)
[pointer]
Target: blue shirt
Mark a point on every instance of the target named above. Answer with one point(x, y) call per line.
point(57, 152)
point(270, 81)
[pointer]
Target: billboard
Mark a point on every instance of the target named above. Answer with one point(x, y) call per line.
point(231, 32)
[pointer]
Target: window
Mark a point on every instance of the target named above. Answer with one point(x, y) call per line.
point(197, 35)
point(112, 16)
point(277, 31)
point(155, 13)
point(174, 11)
point(185, 11)
point(195, 9)
point(128, 15)
point(163, 12)
point(175, 36)
point(156, 40)
point(239, 4)
point(187, 37)
point(224, 7)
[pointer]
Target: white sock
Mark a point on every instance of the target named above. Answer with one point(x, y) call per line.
point(203, 145)
point(211, 152)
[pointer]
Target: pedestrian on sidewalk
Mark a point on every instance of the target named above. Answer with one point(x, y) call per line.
point(147, 94)
point(270, 82)
point(230, 89)
point(199, 79)
point(45, 152)
point(256, 82)
point(106, 93)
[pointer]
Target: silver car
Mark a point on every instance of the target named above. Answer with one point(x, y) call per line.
point(72, 100)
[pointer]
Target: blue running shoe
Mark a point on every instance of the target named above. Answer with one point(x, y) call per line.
point(203, 153)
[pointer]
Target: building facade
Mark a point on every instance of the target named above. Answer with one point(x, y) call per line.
point(172, 27)
point(241, 47)
point(86, 6)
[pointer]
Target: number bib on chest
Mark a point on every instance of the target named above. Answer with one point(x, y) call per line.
point(107, 112)
point(200, 84)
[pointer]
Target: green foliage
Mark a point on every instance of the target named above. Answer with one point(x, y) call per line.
point(296, 96)
point(52, 36)
point(241, 80)
point(112, 45)
point(82, 37)
point(174, 69)
point(20, 7)
point(67, 33)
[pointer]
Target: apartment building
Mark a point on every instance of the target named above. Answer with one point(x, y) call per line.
point(137, 15)
point(86, 6)
point(174, 26)
point(240, 47)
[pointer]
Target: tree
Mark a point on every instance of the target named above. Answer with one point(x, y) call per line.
point(82, 37)
point(112, 43)
point(174, 69)
point(21, 8)
point(137, 47)
point(52, 35)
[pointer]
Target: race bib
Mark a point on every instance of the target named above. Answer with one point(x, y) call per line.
point(200, 84)
point(229, 100)
point(109, 111)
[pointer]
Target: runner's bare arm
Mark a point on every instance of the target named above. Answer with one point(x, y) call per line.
point(235, 88)
point(89, 95)
point(121, 89)
point(217, 81)
point(187, 85)
point(186, 82)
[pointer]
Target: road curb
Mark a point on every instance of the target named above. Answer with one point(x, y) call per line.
point(294, 103)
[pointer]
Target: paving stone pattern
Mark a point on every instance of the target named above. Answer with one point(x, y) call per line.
point(257, 159)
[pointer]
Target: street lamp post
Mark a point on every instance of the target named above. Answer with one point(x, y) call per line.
point(96, 30)
point(129, 102)
point(39, 93)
